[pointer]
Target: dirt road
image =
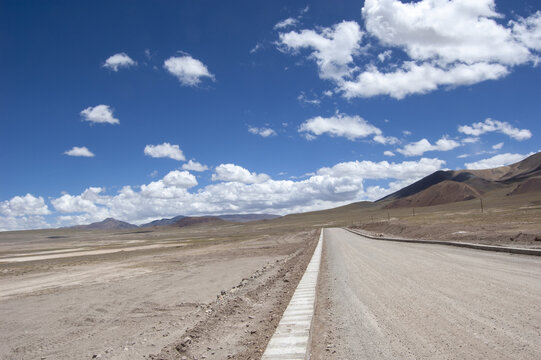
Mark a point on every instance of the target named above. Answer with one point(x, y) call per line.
point(386, 300)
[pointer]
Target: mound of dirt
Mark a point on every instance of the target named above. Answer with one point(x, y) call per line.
point(530, 185)
point(443, 192)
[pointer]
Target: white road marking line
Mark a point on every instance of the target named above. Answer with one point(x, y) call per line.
point(290, 340)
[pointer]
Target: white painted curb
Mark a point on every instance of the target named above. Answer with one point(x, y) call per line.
point(291, 338)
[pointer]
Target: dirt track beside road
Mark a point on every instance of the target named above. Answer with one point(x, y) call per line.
point(133, 304)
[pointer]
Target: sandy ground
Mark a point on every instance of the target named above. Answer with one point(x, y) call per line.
point(504, 233)
point(131, 299)
point(387, 300)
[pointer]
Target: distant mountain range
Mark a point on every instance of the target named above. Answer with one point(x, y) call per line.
point(450, 186)
point(177, 221)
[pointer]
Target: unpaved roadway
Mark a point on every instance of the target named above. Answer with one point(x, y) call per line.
point(388, 300)
point(226, 296)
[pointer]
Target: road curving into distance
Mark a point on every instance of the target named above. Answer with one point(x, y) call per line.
point(389, 300)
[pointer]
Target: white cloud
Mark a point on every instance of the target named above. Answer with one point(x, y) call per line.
point(86, 202)
point(388, 153)
point(235, 173)
point(79, 151)
point(446, 43)
point(333, 47)
point(406, 132)
point(117, 61)
point(497, 146)
point(99, 114)
point(304, 99)
point(256, 48)
point(9, 223)
point(528, 30)
point(470, 140)
point(496, 161)
point(188, 70)
point(194, 166)
point(391, 140)
point(385, 55)
point(286, 23)
point(23, 206)
point(165, 150)
point(490, 125)
point(263, 131)
point(238, 190)
point(342, 125)
point(180, 179)
point(445, 31)
point(412, 78)
point(423, 145)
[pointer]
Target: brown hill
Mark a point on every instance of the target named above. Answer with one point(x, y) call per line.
point(107, 224)
point(441, 193)
point(196, 220)
point(480, 180)
point(530, 185)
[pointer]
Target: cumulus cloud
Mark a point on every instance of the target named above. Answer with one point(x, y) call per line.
point(79, 151)
point(23, 206)
point(423, 145)
point(99, 114)
point(194, 166)
point(8, 223)
point(117, 61)
point(332, 48)
point(342, 125)
point(180, 179)
point(235, 173)
point(446, 44)
point(388, 153)
point(262, 131)
point(237, 190)
point(496, 161)
point(490, 125)
point(286, 23)
point(413, 78)
point(165, 150)
point(189, 71)
point(445, 31)
point(85, 202)
point(528, 30)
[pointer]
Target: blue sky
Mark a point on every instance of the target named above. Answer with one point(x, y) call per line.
point(141, 109)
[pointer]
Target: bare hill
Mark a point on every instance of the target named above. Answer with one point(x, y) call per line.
point(247, 217)
point(163, 222)
point(107, 224)
point(441, 193)
point(530, 185)
point(478, 181)
point(196, 220)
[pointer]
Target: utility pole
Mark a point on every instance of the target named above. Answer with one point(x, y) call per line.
point(482, 209)
point(388, 216)
point(413, 211)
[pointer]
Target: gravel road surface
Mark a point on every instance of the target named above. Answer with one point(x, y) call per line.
point(387, 300)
